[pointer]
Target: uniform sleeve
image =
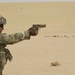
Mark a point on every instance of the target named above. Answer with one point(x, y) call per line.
point(15, 37)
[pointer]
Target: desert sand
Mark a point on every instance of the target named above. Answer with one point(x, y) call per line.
point(56, 42)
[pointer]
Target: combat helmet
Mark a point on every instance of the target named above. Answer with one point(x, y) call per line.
point(2, 20)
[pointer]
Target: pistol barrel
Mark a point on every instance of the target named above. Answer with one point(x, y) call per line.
point(39, 25)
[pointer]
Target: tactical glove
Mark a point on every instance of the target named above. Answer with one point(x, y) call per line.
point(33, 31)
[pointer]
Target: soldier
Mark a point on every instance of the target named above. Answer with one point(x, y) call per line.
point(11, 39)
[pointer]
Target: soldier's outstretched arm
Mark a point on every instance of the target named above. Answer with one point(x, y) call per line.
point(14, 37)
point(17, 37)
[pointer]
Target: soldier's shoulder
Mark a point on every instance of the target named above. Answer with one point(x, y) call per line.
point(3, 34)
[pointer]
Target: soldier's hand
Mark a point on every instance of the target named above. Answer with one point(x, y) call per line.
point(33, 31)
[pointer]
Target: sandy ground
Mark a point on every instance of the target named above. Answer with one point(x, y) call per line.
point(56, 42)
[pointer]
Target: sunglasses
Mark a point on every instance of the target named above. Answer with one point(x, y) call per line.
point(1, 25)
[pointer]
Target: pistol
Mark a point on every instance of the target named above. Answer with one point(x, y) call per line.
point(39, 25)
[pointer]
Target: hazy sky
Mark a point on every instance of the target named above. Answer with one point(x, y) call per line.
point(32, 0)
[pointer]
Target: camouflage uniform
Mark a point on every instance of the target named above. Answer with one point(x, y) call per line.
point(9, 39)
point(12, 39)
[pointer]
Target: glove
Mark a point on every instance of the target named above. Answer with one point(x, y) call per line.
point(33, 31)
